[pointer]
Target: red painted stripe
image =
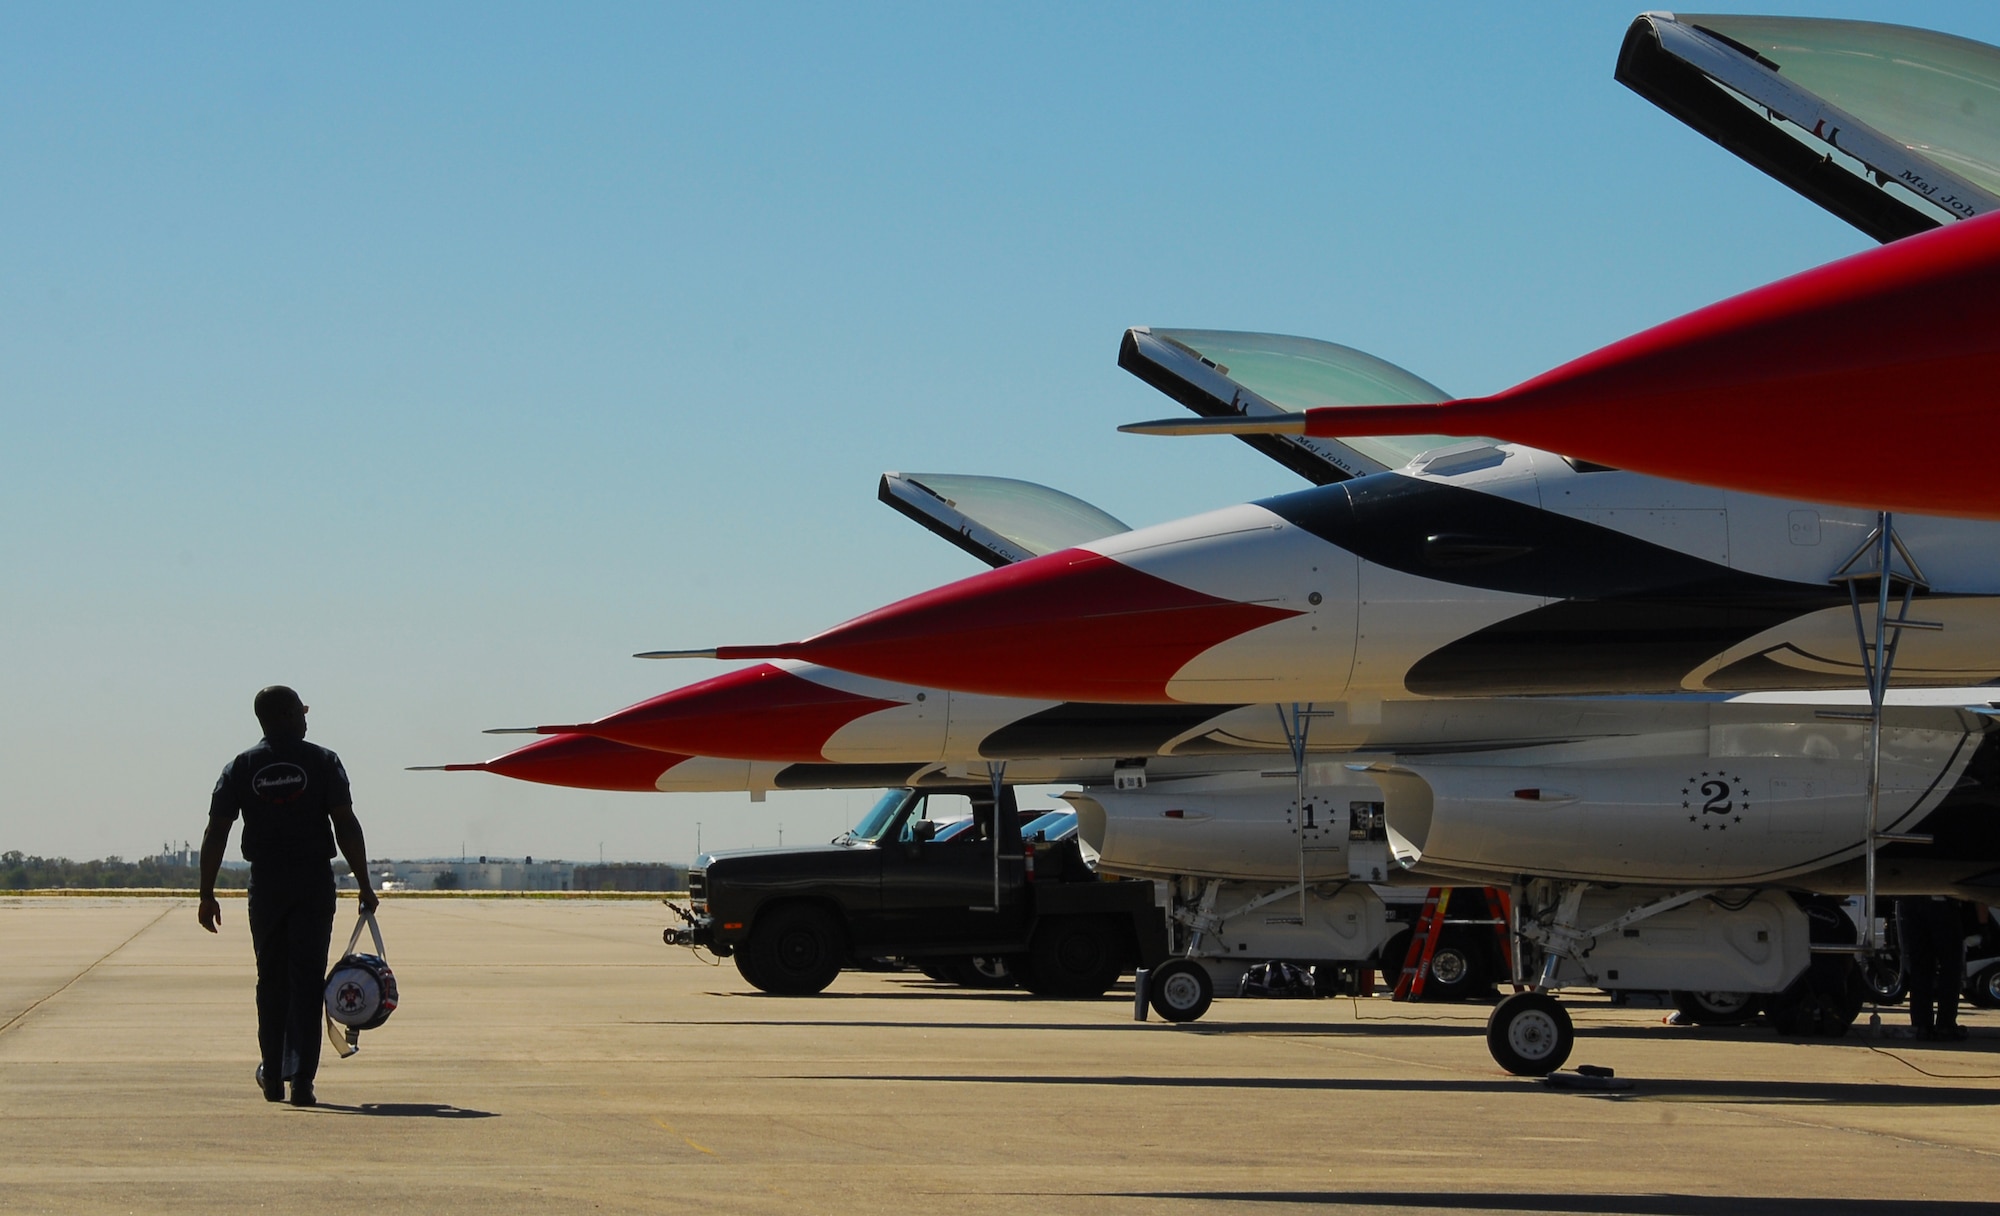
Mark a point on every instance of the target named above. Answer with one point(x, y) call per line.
point(582, 762)
point(759, 713)
point(1072, 625)
point(1873, 381)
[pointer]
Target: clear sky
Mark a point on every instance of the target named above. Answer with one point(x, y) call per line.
point(433, 359)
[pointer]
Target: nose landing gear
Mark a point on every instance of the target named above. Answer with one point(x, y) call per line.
point(1530, 1034)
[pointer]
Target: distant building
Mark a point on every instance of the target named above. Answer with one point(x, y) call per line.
point(631, 876)
point(520, 874)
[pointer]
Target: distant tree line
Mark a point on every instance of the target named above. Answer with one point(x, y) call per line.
point(20, 872)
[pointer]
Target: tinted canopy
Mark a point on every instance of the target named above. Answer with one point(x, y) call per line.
point(1222, 373)
point(1893, 128)
point(997, 519)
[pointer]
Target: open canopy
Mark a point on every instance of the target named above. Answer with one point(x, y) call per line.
point(998, 520)
point(1220, 373)
point(1892, 128)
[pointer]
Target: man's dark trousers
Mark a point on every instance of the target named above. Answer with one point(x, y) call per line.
point(291, 929)
point(1931, 933)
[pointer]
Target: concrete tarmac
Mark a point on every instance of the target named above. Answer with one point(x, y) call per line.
point(556, 1057)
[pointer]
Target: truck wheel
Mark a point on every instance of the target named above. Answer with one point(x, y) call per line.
point(1529, 1034)
point(1984, 989)
point(793, 951)
point(1180, 990)
point(982, 971)
point(1457, 971)
point(1075, 956)
point(1716, 1008)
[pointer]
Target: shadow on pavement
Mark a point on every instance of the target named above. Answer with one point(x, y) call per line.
point(1787, 1093)
point(1631, 1205)
point(409, 1110)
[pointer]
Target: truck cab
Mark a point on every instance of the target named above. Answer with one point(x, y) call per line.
point(792, 918)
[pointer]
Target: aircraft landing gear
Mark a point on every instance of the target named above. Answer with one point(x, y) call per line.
point(1530, 1034)
point(1180, 990)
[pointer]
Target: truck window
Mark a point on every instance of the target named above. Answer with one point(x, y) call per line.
point(880, 818)
point(940, 809)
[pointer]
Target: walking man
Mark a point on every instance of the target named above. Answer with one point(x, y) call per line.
point(296, 806)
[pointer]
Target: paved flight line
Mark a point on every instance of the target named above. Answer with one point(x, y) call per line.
point(554, 1057)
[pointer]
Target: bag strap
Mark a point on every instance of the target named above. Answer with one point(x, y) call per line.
point(368, 919)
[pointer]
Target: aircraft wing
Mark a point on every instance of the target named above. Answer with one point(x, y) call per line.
point(1890, 128)
point(998, 520)
point(1225, 374)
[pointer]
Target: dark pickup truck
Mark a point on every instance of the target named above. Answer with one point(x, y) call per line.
point(792, 918)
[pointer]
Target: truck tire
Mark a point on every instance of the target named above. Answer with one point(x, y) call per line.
point(1075, 956)
point(981, 971)
point(795, 950)
point(1717, 1008)
point(1458, 969)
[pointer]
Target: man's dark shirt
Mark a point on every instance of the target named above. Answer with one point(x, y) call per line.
point(286, 791)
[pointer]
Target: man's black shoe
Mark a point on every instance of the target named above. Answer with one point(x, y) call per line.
point(274, 1091)
point(1953, 1033)
point(302, 1095)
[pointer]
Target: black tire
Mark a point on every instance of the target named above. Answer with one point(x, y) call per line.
point(1983, 989)
point(1180, 990)
point(1075, 956)
point(1822, 1003)
point(981, 971)
point(1458, 970)
point(1530, 1034)
point(794, 950)
point(1717, 1008)
point(1883, 980)
point(746, 966)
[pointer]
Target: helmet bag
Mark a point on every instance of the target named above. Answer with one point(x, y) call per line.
point(360, 991)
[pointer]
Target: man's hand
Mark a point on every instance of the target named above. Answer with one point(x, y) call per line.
point(210, 912)
point(369, 900)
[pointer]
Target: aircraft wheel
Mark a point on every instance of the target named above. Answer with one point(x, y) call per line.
point(1075, 956)
point(1180, 990)
point(1530, 1034)
point(1716, 1008)
point(793, 951)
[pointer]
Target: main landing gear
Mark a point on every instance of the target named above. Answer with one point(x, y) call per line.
point(1529, 1033)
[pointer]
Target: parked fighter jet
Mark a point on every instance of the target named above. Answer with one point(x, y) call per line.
point(1837, 384)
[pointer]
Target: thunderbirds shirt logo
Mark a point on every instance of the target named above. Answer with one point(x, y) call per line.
point(278, 783)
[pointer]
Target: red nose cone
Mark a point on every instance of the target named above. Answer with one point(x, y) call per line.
point(1873, 382)
point(582, 762)
point(1068, 626)
point(760, 713)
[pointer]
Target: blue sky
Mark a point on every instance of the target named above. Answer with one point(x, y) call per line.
point(435, 360)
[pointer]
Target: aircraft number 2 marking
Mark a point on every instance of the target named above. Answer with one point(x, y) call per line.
point(1715, 793)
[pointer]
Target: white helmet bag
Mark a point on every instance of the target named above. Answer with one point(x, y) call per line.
point(360, 991)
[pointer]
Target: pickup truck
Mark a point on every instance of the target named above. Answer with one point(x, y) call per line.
point(793, 918)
